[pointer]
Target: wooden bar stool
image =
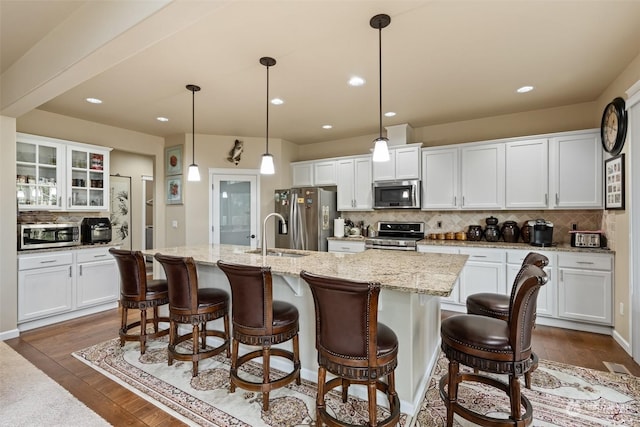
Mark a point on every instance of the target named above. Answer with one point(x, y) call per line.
point(258, 320)
point(138, 293)
point(495, 346)
point(194, 306)
point(497, 305)
point(353, 345)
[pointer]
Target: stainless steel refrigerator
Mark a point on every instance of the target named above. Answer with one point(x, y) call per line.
point(309, 213)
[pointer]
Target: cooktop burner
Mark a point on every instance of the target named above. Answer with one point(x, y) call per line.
point(396, 235)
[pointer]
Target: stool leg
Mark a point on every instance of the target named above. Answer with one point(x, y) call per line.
point(155, 319)
point(514, 397)
point(123, 325)
point(195, 339)
point(391, 389)
point(234, 364)
point(320, 405)
point(373, 404)
point(227, 336)
point(173, 330)
point(345, 390)
point(296, 356)
point(454, 368)
point(143, 330)
point(203, 337)
point(266, 353)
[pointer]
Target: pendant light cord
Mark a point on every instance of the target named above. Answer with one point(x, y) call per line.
point(267, 132)
point(193, 126)
point(380, 77)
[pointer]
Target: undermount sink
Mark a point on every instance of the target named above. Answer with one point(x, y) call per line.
point(279, 252)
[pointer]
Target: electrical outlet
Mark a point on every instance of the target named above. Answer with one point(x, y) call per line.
point(439, 224)
point(174, 223)
point(621, 309)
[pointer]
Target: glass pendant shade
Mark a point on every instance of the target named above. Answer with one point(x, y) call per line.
point(266, 167)
point(380, 150)
point(194, 173)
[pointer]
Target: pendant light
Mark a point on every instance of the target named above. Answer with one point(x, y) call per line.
point(194, 173)
point(266, 167)
point(380, 149)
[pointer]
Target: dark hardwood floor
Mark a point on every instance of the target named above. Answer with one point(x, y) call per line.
point(50, 349)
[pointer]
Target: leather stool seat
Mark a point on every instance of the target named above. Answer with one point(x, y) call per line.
point(496, 346)
point(138, 293)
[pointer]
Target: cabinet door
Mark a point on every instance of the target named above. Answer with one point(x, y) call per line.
point(362, 183)
point(87, 178)
point(585, 295)
point(325, 172)
point(576, 171)
point(482, 169)
point(526, 174)
point(479, 277)
point(97, 283)
point(39, 173)
point(385, 171)
point(407, 161)
point(44, 292)
point(302, 174)
point(440, 179)
point(345, 187)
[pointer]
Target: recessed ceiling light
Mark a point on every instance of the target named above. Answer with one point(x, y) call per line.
point(277, 101)
point(94, 100)
point(356, 81)
point(524, 89)
point(327, 127)
point(162, 119)
point(390, 113)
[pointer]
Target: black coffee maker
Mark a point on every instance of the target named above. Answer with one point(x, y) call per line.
point(541, 232)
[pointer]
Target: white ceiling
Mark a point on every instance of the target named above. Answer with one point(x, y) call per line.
point(443, 61)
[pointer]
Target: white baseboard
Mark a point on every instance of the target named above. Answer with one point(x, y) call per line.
point(626, 346)
point(7, 335)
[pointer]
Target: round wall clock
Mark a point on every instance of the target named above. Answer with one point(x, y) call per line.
point(613, 127)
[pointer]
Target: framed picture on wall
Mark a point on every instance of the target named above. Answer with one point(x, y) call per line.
point(614, 182)
point(120, 210)
point(174, 190)
point(173, 160)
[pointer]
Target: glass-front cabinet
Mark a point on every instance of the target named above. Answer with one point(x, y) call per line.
point(53, 174)
point(89, 174)
point(39, 174)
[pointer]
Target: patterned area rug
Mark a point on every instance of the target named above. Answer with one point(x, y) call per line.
point(561, 395)
point(205, 400)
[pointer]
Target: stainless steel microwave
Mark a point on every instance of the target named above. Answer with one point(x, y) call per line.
point(396, 194)
point(41, 236)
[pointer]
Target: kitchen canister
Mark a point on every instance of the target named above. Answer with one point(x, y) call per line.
point(338, 227)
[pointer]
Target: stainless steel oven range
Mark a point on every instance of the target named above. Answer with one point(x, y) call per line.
point(395, 235)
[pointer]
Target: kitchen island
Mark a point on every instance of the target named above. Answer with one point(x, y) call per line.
point(412, 284)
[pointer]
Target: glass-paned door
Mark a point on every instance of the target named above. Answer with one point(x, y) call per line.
point(235, 209)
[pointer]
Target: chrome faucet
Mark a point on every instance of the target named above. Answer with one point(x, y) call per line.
point(264, 230)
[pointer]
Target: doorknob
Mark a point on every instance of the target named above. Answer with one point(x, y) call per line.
point(253, 236)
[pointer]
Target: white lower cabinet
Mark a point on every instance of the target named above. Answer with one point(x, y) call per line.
point(61, 285)
point(345, 246)
point(96, 271)
point(45, 285)
point(578, 293)
point(585, 288)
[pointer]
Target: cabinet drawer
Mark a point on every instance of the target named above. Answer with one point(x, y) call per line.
point(89, 255)
point(485, 255)
point(52, 259)
point(344, 246)
point(586, 261)
point(518, 256)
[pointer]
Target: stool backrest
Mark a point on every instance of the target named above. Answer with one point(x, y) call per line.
point(182, 281)
point(251, 296)
point(536, 259)
point(133, 273)
point(522, 308)
point(346, 316)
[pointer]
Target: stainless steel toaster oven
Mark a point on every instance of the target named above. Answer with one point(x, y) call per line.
point(42, 236)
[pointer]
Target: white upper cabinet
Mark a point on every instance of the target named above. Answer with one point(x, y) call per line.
point(482, 176)
point(440, 179)
point(575, 178)
point(324, 172)
point(53, 174)
point(354, 183)
point(302, 174)
point(526, 174)
point(404, 163)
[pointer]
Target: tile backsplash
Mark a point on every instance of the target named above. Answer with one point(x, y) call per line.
point(460, 220)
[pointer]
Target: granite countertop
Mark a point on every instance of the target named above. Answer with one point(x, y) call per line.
point(564, 247)
point(423, 273)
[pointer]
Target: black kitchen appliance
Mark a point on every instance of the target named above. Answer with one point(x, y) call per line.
point(95, 230)
point(541, 232)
